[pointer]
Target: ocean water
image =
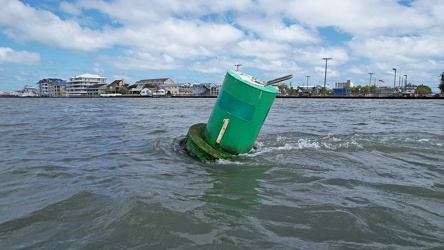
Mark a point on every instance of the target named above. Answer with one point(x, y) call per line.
point(110, 173)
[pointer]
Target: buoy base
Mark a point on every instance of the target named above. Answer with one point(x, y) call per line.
point(199, 148)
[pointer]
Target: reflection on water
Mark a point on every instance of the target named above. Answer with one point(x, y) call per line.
point(234, 192)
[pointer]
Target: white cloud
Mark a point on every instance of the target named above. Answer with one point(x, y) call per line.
point(420, 57)
point(269, 35)
point(363, 18)
point(274, 29)
point(97, 68)
point(28, 24)
point(262, 49)
point(142, 12)
point(276, 66)
point(136, 60)
point(192, 39)
point(70, 8)
point(213, 66)
point(313, 55)
point(400, 49)
point(8, 55)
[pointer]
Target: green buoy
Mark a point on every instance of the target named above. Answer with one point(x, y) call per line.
point(237, 117)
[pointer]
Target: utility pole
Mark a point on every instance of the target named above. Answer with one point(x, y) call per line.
point(370, 82)
point(307, 81)
point(325, 75)
point(394, 81)
point(405, 85)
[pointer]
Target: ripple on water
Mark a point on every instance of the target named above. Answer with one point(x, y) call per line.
point(111, 173)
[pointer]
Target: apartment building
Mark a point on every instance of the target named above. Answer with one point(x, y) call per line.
point(78, 85)
point(347, 84)
point(49, 87)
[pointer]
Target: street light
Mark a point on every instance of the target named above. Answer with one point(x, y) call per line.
point(237, 66)
point(405, 85)
point(370, 82)
point(325, 75)
point(394, 80)
point(307, 81)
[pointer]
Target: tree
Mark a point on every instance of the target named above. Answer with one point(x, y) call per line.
point(423, 90)
point(283, 89)
point(365, 89)
point(356, 89)
point(313, 90)
point(441, 84)
point(373, 89)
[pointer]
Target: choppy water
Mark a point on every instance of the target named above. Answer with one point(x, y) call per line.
point(326, 174)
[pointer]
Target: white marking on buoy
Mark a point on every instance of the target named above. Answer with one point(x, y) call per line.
point(222, 130)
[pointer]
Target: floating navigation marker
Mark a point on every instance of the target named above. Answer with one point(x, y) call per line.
point(199, 148)
point(236, 119)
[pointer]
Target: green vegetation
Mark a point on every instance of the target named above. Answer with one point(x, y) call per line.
point(364, 89)
point(441, 84)
point(301, 89)
point(423, 90)
point(358, 90)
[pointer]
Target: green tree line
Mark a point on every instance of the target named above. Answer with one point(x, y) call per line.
point(441, 84)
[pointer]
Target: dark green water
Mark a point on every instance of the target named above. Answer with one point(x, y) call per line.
point(326, 174)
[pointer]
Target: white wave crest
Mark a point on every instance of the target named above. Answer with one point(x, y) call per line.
point(304, 143)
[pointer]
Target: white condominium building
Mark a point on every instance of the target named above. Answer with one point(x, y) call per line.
point(78, 85)
point(341, 85)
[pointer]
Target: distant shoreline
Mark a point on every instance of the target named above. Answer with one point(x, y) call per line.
point(278, 97)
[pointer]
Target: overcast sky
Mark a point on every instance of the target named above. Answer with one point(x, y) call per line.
point(199, 40)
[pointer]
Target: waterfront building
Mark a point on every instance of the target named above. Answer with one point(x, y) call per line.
point(409, 90)
point(177, 89)
point(341, 85)
point(150, 83)
point(173, 89)
point(28, 91)
point(138, 89)
point(48, 86)
point(59, 88)
point(160, 93)
point(206, 89)
point(340, 92)
point(118, 86)
point(78, 85)
point(185, 89)
point(146, 92)
point(96, 90)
